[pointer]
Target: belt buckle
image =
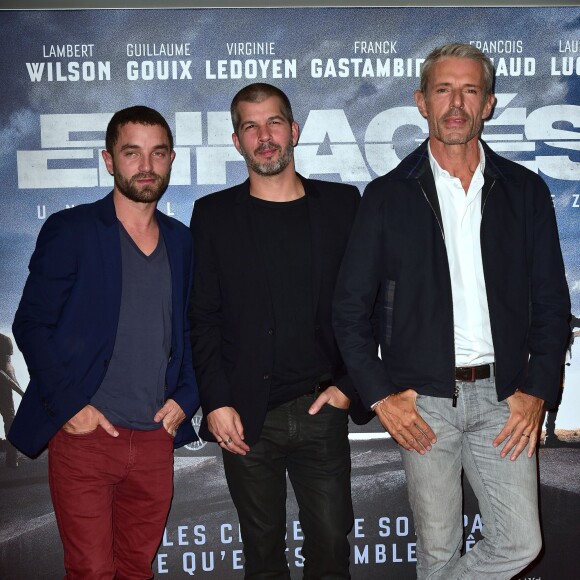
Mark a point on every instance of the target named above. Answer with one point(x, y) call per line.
point(464, 375)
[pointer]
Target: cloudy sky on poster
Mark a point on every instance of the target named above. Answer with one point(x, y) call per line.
point(350, 73)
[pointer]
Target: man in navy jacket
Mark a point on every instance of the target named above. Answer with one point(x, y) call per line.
point(455, 255)
point(103, 327)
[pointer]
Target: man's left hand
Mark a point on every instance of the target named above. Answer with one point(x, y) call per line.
point(333, 396)
point(523, 426)
point(172, 416)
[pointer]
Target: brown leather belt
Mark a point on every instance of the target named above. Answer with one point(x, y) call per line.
point(472, 374)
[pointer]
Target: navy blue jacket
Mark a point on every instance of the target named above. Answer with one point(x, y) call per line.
point(233, 328)
point(396, 272)
point(66, 322)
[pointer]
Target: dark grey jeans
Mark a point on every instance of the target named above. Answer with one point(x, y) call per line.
point(315, 452)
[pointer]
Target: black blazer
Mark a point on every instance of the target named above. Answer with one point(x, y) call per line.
point(233, 329)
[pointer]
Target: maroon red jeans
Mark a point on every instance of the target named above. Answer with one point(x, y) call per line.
point(111, 497)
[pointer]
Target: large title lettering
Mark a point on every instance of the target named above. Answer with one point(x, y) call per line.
point(70, 145)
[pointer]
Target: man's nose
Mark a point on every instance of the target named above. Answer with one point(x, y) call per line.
point(145, 164)
point(264, 133)
point(457, 99)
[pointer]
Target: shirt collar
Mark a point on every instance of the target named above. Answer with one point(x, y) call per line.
point(439, 172)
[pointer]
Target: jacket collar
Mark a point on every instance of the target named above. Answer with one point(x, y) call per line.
point(416, 164)
point(106, 212)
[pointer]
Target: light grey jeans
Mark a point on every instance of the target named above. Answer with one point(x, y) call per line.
point(507, 491)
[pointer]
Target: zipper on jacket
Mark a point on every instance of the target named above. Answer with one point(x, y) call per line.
point(484, 202)
point(434, 212)
point(455, 388)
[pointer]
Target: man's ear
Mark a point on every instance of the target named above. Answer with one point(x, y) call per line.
point(421, 104)
point(295, 133)
point(488, 107)
point(236, 142)
point(108, 159)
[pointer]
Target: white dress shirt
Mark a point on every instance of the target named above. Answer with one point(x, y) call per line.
point(461, 214)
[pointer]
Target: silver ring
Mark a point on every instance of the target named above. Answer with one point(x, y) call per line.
point(228, 441)
point(524, 435)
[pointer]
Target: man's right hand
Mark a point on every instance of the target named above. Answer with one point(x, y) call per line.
point(87, 420)
point(399, 416)
point(226, 426)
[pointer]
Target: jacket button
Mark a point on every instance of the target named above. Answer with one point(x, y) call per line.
point(266, 376)
point(270, 331)
point(106, 363)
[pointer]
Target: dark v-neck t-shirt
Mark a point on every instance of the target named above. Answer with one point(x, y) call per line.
point(133, 388)
point(283, 230)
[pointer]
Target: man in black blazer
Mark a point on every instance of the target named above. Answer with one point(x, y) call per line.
point(274, 389)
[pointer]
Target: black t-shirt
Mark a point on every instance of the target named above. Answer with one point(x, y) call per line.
point(284, 234)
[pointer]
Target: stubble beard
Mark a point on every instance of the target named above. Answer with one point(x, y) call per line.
point(268, 168)
point(149, 193)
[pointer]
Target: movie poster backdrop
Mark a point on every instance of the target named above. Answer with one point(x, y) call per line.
point(350, 74)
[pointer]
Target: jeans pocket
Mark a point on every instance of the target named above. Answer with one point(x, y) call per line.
point(335, 409)
point(167, 433)
point(83, 435)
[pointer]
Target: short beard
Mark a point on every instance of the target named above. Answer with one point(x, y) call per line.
point(269, 167)
point(149, 194)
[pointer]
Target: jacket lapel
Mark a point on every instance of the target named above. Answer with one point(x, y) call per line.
point(176, 266)
point(316, 218)
point(428, 186)
point(246, 221)
point(110, 250)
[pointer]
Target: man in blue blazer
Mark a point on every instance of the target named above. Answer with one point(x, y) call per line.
point(103, 327)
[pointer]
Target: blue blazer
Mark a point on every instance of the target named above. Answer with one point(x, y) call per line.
point(66, 323)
